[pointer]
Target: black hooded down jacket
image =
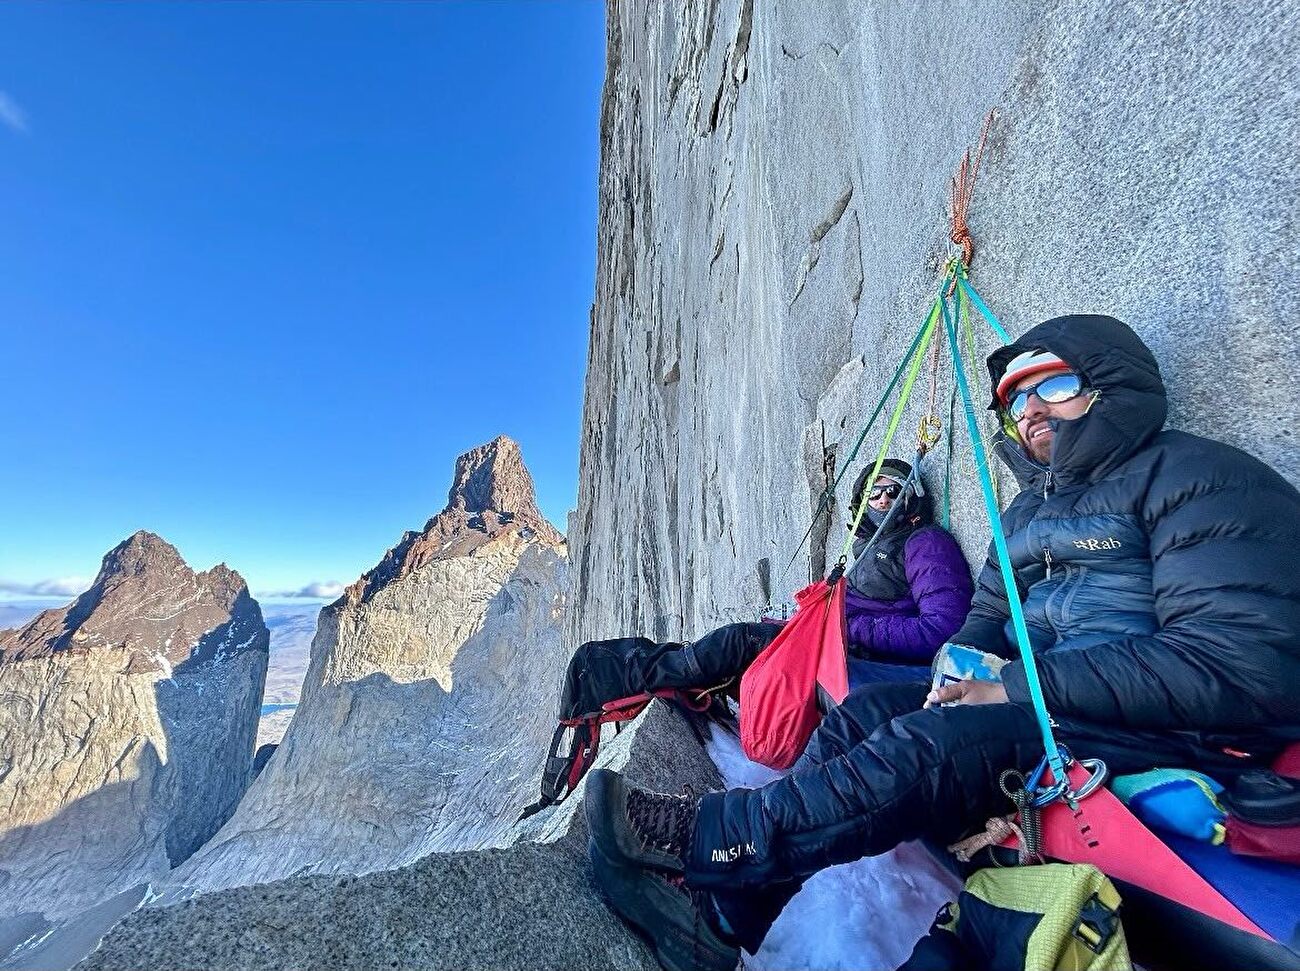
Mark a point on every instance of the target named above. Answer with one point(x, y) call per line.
point(1172, 598)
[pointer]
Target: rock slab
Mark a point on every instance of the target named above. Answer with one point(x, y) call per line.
point(772, 189)
point(428, 701)
point(531, 907)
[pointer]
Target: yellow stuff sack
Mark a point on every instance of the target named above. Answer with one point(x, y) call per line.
point(1054, 917)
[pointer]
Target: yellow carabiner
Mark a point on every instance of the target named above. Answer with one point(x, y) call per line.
point(928, 434)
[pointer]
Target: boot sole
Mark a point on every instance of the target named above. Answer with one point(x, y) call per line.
point(663, 917)
point(605, 805)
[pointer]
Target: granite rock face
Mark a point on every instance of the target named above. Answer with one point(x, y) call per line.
point(126, 728)
point(428, 703)
point(772, 225)
point(531, 907)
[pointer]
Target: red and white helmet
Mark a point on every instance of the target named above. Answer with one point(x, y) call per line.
point(1026, 365)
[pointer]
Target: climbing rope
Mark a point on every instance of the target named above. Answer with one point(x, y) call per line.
point(997, 831)
point(960, 191)
point(1054, 759)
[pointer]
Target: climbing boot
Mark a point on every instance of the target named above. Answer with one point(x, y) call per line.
point(634, 827)
point(679, 924)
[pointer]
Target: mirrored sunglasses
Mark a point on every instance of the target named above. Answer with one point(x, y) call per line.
point(892, 490)
point(1050, 391)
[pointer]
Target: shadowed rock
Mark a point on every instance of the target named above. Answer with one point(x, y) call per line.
point(529, 907)
point(126, 728)
point(428, 702)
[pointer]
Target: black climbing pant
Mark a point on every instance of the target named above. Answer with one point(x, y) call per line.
point(604, 671)
point(879, 770)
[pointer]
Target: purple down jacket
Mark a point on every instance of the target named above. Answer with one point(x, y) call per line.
point(908, 594)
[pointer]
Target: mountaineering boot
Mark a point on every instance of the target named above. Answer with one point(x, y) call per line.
point(680, 924)
point(633, 827)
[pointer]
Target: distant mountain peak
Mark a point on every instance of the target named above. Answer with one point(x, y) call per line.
point(146, 599)
point(139, 553)
point(491, 495)
point(493, 478)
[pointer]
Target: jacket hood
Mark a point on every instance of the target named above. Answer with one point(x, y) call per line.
point(1130, 408)
point(912, 512)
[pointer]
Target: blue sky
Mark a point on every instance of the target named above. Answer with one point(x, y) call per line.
point(266, 269)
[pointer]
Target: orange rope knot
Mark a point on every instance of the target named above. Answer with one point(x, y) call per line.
point(960, 190)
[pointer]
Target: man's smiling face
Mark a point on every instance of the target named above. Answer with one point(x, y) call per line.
point(1034, 426)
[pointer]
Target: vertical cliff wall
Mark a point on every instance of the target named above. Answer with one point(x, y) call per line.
point(772, 223)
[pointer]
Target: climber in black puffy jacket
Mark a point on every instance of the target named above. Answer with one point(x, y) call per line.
point(1158, 575)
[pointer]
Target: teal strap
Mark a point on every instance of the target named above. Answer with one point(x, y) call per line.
point(983, 308)
point(1000, 545)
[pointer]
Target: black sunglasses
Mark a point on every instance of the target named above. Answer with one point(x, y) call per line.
point(892, 490)
point(1051, 391)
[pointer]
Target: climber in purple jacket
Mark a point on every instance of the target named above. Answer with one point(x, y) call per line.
point(909, 590)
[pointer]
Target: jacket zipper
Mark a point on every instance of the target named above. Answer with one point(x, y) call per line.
point(1047, 483)
point(1047, 558)
point(1053, 597)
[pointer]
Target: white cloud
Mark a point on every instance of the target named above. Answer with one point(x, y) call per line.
point(317, 589)
point(322, 588)
point(53, 587)
point(11, 114)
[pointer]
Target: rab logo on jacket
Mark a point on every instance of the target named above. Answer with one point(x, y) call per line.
point(1110, 543)
point(733, 853)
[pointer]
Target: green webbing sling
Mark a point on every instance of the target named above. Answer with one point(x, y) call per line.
point(914, 367)
point(927, 327)
point(963, 296)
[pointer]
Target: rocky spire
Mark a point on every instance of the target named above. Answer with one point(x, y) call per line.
point(491, 495)
point(147, 600)
point(492, 478)
point(126, 733)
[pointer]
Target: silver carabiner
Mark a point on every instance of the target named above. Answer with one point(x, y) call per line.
point(1096, 780)
point(1046, 795)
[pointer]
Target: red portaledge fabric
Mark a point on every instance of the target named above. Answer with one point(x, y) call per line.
point(1104, 833)
point(779, 693)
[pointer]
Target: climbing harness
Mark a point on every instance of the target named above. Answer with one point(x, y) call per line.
point(564, 769)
